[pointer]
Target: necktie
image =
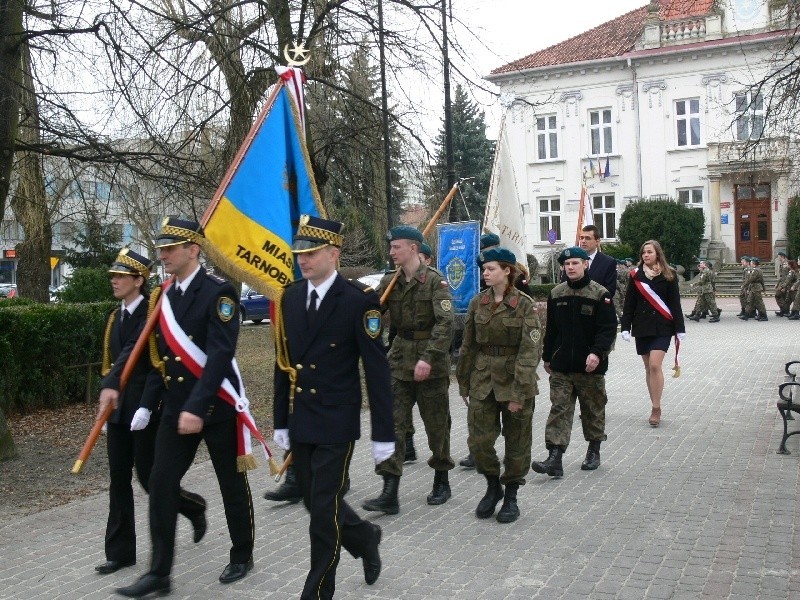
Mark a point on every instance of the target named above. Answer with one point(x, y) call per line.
point(125, 314)
point(312, 308)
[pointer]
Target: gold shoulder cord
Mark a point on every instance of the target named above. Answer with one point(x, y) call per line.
point(107, 343)
point(155, 359)
point(282, 350)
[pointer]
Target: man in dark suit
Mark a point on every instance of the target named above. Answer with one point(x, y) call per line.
point(131, 433)
point(602, 268)
point(329, 324)
point(196, 341)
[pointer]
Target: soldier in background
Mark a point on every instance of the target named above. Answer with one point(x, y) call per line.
point(421, 310)
point(744, 261)
point(706, 301)
point(782, 297)
point(794, 291)
point(754, 308)
point(622, 286)
point(581, 326)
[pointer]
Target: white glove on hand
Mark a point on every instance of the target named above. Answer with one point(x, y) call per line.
point(140, 419)
point(681, 336)
point(626, 335)
point(281, 437)
point(381, 451)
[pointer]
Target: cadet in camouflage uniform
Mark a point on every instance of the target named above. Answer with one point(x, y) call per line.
point(420, 309)
point(745, 263)
point(497, 379)
point(581, 326)
point(706, 302)
point(782, 297)
point(755, 287)
point(794, 291)
point(622, 287)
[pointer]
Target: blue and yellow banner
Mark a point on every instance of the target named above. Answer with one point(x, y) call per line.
point(459, 244)
point(256, 210)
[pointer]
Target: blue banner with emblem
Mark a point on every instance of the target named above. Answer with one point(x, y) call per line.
point(459, 244)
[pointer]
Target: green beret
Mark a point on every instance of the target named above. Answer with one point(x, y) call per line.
point(499, 254)
point(426, 249)
point(489, 239)
point(405, 232)
point(573, 252)
point(747, 258)
point(783, 254)
point(755, 259)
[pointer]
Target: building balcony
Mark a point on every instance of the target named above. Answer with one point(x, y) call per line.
point(768, 154)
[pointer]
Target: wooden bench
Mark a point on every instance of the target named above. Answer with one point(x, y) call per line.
point(786, 402)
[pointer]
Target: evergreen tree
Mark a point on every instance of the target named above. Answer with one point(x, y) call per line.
point(97, 245)
point(473, 154)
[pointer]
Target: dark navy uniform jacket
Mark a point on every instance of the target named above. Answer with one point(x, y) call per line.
point(205, 313)
point(327, 401)
point(121, 341)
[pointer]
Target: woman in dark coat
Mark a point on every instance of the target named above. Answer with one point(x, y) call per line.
point(652, 314)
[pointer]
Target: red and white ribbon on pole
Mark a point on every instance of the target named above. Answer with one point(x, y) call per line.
point(656, 302)
point(193, 357)
point(294, 78)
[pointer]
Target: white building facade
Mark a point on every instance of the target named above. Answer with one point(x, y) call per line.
point(658, 103)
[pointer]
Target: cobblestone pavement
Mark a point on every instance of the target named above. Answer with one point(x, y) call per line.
point(701, 507)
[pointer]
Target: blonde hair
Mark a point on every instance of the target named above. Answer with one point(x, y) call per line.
point(667, 271)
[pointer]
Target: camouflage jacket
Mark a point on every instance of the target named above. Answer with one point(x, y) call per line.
point(705, 282)
point(501, 349)
point(755, 280)
point(421, 312)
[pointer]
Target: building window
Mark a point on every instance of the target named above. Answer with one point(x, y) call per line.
point(691, 197)
point(546, 137)
point(600, 131)
point(549, 218)
point(749, 116)
point(605, 215)
point(687, 120)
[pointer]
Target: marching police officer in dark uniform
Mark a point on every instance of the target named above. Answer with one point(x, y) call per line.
point(195, 343)
point(131, 433)
point(329, 323)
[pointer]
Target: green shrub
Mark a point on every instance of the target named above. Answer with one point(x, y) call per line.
point(619, 251)
point(793, 227)
point(41, 347)
point(87, 284)
point(541, 291)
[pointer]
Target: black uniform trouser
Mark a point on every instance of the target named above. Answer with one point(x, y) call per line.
point(321, 473)
point(127, 449)
point(174, 454)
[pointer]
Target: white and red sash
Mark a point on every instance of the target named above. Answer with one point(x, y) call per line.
point(193, 357)
point(658, 303)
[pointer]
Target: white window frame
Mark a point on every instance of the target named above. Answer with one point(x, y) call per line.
point(693, 197)
point(550, 218)
point(547, 134)
point(604, 214)
point(604, 130)
point(750, 113)
point(686, 121)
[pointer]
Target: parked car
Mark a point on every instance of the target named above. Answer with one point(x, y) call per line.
point(372, 280)
point(253, 306)
point(8, 290)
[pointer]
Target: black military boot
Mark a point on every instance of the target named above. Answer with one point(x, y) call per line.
point(689, 315)
point(288, 491)
point(715, 318)
point(762, 317)
point(494, 493)
point(781, 313)
point(411, 452)
point(509, 512)
point(746, 316)
point(468, 462)
point(387, 502)
point(551, 465)
point(592, 460)
point(695, 317)
point(794, 315)
point(441, 489)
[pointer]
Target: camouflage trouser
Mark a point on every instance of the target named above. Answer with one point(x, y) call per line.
point(591, 392)
point(619, 303)
point(796, 301)
point(743, 300)
point(755, 303)
point(483, 422)
point(706, 301)
point(783, 298)
point(431, 396)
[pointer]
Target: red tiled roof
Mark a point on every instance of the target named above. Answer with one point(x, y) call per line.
point(613, 38)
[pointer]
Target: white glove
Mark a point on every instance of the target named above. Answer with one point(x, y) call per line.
point(626, 335)
point(104, 428)
point(281, 437)
point(381, 451)
point(140, 419)
point(681, 336)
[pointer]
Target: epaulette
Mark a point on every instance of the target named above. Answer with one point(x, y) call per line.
point(437, 271)
point(216, 278)
point(360, 286)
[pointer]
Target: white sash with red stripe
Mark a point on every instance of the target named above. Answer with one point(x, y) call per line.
point(658, 303)
point(193, 357)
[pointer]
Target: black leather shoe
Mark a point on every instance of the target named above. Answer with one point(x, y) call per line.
point(372, 558)
point(200, 525)
point(235, 571)
point(112, 566)
point(148, 583)
point(288, 491)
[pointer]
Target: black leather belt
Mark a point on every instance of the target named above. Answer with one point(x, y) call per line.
point(410, 334)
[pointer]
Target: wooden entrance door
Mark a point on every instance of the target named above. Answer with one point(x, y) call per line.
point(753, 221)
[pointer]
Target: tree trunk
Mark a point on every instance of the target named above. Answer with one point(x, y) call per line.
point(10, 33)
point(7, 447)
point(30, 201)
